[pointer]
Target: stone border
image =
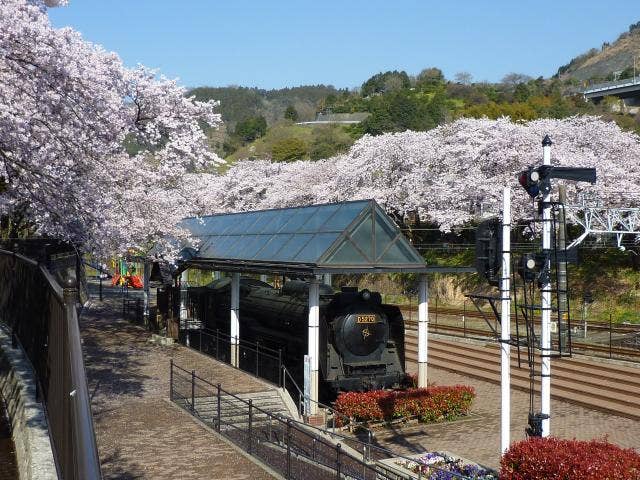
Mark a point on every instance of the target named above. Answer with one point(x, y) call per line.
point(30, 431)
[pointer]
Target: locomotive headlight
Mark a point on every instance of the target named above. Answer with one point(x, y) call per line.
point(366, 295)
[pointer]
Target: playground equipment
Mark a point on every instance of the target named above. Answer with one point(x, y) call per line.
point(126, 274)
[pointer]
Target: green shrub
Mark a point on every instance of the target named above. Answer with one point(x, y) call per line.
point(288, 149)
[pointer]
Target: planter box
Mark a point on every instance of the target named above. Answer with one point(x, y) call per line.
point(399, 468)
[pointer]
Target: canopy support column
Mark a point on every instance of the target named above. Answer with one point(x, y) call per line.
point(184, 324)
point(505, 324)
point(313, 347)
point(235, 318)
point(423, 325)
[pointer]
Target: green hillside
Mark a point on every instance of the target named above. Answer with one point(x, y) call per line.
point(601, 64)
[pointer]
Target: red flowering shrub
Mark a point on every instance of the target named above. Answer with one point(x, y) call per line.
point(428, 404)
point(555, 459)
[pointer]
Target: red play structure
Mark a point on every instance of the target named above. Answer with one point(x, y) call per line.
point(131, 281)
point(125, 275)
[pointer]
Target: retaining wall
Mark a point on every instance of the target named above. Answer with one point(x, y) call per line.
point(28, 421)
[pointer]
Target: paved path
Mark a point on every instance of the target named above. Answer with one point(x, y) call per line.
point(478, 437)
point(140, 434)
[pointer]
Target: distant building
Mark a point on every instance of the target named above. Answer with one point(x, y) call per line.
point(337, 118)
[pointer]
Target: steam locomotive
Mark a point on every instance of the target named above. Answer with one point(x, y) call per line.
point(361, 339)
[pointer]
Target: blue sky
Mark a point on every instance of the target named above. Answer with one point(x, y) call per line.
point(287, 43)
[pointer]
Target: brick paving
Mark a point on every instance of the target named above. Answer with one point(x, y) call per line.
point(140, 434)
point(478, 437)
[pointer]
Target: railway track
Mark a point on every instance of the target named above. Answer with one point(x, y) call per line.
point(474, 313)
point(603, 386)
point(624, 353)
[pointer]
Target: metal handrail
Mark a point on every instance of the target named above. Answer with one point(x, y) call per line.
point(53, 346)
point(302, 426)
point(302, 397)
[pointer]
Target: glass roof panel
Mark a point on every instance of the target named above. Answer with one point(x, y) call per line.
point(290, 249)
point(225, 246)
point(347, 254)
point(298, 219)
point(280, 219)
point(262, 223)
point(333, 235)
point(269, 251)
point(313, 250)
point(396, 253)
point(242, 222)
point(208, 240)
point(362, 236)
point(384, 235)
point(346, 214)
point(321, 215)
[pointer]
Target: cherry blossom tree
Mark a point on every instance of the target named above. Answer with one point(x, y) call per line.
point(68, 110)
point(449, 174)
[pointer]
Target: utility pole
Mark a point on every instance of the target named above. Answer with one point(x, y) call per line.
point(545, 289)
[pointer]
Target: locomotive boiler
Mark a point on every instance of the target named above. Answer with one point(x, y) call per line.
point(361, 339)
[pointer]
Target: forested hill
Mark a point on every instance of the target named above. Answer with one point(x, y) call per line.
point(240, 103)
point(600, 64)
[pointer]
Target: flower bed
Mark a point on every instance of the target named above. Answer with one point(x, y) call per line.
point(436, 466)
point(427, 404)
point(555, 459)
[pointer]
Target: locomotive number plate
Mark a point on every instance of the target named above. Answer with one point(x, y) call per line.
point(366, 319)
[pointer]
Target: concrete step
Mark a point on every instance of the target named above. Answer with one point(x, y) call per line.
point(617, 374)
point(612, 380)
point(569, 384)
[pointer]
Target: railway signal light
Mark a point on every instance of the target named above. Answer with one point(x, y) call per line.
point(489, 250)
point(538, 180)
point(530, 181)
point(528, 268)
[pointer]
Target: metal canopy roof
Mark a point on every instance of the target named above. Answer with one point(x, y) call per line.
point(347, 237)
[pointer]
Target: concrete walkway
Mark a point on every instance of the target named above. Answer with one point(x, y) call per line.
point(140, 434)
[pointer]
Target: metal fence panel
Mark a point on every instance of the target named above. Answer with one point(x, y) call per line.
point(42, 317)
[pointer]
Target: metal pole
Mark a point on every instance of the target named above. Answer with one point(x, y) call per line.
point(289, 448)
point(610, 332)
point(193, 390)
point(464, 319)
point(505, 323)
point(249, 427)
point(436, 325)
point(171, 379)
point(183, 303)
point(313, 343)
point(545, 290)
point(257, 355)
point(235, 318)
point(562, 271)
point(423, 326)
point(338, 466)
point(219, 414)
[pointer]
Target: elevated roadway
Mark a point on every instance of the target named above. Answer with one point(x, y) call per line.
point(627, 88)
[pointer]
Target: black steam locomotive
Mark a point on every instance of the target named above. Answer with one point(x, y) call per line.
point(361, 339)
